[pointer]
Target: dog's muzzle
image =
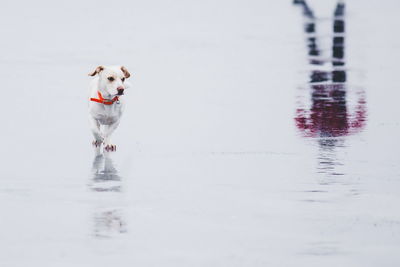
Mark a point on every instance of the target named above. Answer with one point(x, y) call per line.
point(120, 91)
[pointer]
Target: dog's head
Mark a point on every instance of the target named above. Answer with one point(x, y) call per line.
point(111, 79)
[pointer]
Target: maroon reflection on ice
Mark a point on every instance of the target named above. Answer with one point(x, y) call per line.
point(329, 114)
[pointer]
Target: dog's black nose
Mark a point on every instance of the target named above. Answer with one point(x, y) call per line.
point(120, 91)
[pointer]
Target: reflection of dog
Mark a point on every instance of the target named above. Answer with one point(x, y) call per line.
point(105, 175)
point(108, 220)
point(106, 105)
point(108, 223)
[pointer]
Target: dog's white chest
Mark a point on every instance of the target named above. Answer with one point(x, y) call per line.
point(106, 115)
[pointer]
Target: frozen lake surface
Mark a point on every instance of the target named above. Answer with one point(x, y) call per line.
point(256, 133)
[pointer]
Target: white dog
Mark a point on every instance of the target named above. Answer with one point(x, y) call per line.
point(106, 104)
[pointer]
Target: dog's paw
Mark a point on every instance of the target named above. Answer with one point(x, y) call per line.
point(96, 143)
point(109, 148)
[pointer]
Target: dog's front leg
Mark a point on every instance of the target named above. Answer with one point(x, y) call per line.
point(95, 127)
point(107, 131)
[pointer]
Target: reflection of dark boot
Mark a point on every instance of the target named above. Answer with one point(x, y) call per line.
point(339, 11)
point(339, 76)
point(319, 76)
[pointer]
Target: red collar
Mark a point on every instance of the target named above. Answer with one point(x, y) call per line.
point(101, 100)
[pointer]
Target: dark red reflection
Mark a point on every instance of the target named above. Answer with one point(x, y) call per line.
point(329, 114)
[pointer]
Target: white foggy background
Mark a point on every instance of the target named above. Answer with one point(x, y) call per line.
point(213, 171)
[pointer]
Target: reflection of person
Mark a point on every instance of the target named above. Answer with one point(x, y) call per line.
point(328, 115)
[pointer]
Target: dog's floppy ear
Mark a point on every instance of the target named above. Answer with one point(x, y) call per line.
point(96, 71)
point(126, 72)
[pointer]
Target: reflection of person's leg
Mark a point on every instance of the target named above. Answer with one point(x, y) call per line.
point(338, 38)
point(310, 29)
point(306, 9)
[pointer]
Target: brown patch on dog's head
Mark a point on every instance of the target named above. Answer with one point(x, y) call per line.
point(96, 71)
point(126, 72)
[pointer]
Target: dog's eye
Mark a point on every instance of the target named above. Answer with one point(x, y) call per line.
point(123, 79)
point(110, 79)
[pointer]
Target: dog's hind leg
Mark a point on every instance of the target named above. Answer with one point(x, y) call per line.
point(95, 127)
point(108, 130)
